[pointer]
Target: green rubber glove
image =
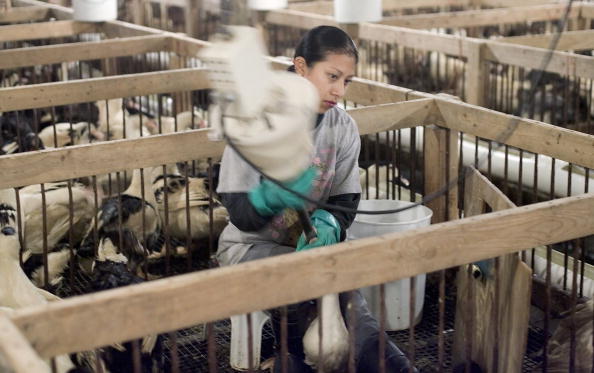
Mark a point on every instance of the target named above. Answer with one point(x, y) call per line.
point(270, 199)
point(327, 229)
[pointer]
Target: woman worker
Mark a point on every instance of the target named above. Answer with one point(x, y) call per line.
point(263, 216)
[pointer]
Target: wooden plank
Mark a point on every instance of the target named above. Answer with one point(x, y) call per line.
point(24, 14)
point(11, 58)
point(473, 18)
point(417, 39)
point(480, 311)
point(571, 146)
point(185, 45)
point(489, 193)
point(434, 140)
point(368, 92)
point(325, 8)
point(94, 89)
point(218, 293)
point(105, 157)
point(44, 30)
point(513, 3)
point(57, 11)
point(123, 29)
point(16, 354)
point(569, 40)
point(412, 4)
point(563, 63)
point(388, 117)
point(301, 20)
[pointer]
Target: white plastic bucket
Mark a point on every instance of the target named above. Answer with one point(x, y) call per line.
point(95, 10)
point(397, 293)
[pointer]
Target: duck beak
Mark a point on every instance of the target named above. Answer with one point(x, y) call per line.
point(8, 231)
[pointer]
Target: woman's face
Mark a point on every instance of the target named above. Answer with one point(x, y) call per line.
point(331, 77)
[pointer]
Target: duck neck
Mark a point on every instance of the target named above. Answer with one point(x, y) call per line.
point(330, 309)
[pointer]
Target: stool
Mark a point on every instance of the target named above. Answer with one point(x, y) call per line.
point(239, 355)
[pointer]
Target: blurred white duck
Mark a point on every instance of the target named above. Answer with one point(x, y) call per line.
point(116, 123)
point(335, 338)
point(57, 213)
point(16, 291)
point(181, 122)
point(64, 134)
point(560, 342)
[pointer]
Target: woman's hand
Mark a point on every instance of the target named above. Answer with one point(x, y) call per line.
point(327, 230)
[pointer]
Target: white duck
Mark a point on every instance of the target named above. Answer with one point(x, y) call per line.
point(198, 190)
point(335, 338)
point(57, 213)
point(16, 291)
point(181, 122)
point(115, 122)
point(63, 134)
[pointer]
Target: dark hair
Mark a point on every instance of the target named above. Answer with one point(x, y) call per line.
point(318, 42)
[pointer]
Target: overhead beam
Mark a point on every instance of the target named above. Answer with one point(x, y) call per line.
point(94, 89)
point(473, 18)
point(87, 322)
point(562, 63)
point(84, 51)
point(57, 11)
point(412, 4)
point(297, 19)
point(325, 8)
point(45, 30)
point(513, 3)
point(569, 40)
point(417, 39)
point(24, 14)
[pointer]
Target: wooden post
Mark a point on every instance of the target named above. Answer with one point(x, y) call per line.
point(181, 100)
point(192, 14)
point(441, 172)
point(16, 353)
point(240, 14)
point(137, 10)
point(352, 29)
point(476, 72)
